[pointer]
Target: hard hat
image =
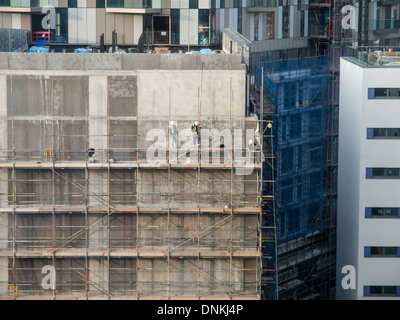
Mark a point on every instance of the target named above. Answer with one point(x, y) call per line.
point(196, 123)
point(171, 123)
point(250, 141)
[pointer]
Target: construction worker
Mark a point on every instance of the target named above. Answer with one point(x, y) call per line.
point(196, 133)
point(90, 154)
point(173, 135)
point(252, 145)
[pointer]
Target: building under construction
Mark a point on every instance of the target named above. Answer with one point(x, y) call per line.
point(117, 211)
point(294, 98)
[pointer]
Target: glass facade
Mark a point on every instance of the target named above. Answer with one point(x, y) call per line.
point(204, 27)
point(133, 4)
point(175, 26)
point(59, 35)
point(141, 4)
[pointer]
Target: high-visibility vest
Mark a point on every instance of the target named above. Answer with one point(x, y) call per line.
point(196, 128)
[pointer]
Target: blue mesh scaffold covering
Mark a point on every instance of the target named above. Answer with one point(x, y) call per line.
point(14, 40)
point(295, 98)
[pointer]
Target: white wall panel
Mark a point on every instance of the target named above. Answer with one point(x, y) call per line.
point(194, 26)
point(82, 28)
point(175, 4)
point(204, 4)
point(137, 27)
point(90, 23)
point(184, 26)
point(16, 21)
point(72, 25)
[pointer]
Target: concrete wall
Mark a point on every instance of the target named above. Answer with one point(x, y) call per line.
point(70, 102)
point(118, 62)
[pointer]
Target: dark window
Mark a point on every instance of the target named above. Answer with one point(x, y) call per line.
point(394, 93)
point(72, 3)
point(161, 29)
point(380, 92)
point(204, 27)
point(384, 212)
point(383, 290)
point(4, 3)
point(389, 133)
point(147, 4)
point(383, 93)
point(100, 3)
point(193, 4)
point(175, 26)
point(383, 173)
point(384, 251)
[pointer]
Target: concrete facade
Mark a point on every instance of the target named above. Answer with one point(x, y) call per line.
point(117, 225)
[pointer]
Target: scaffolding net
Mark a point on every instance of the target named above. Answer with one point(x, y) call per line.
point(294, 98)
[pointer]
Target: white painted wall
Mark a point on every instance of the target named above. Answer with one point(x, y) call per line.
point(82, 27)
point(348, 173)
point(355, 192)
point(378, 232)
point(137, 27)
point(72, 25)
point(189, 26)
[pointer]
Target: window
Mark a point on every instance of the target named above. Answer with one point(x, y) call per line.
point(382, 291)
point(270, 25)
point(240, 19)
point(72, 4)
point(302, 19)
point(147, 4)
point(383, 93)
point(193, 4)
point(286, 22)
point(261, 3)
point(100, 4)
point(256, 26)
point(382, 212)
point(175, 26)
point(161, 29)
point(381, 251)
point(383, 133)
point(204, 26)
point(382, 173)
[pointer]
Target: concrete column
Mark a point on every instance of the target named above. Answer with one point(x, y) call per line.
point(3, 186)
point(98, 128)
point(98, 277)
point(3, 277)
point(98, 184)
point(3, 117)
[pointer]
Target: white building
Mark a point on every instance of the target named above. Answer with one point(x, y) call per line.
point(369, 178)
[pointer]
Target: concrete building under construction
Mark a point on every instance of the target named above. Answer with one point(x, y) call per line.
point(79, 193)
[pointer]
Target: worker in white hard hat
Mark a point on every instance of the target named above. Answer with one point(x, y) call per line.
point(196, 133)
point(252, 145)
point(173, 135)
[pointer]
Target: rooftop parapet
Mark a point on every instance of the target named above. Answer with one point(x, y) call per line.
point(118, 62)
point(375, 56)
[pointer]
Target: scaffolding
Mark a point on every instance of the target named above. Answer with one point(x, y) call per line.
point(334, 43)
point(294, 99)
point(80, 194)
